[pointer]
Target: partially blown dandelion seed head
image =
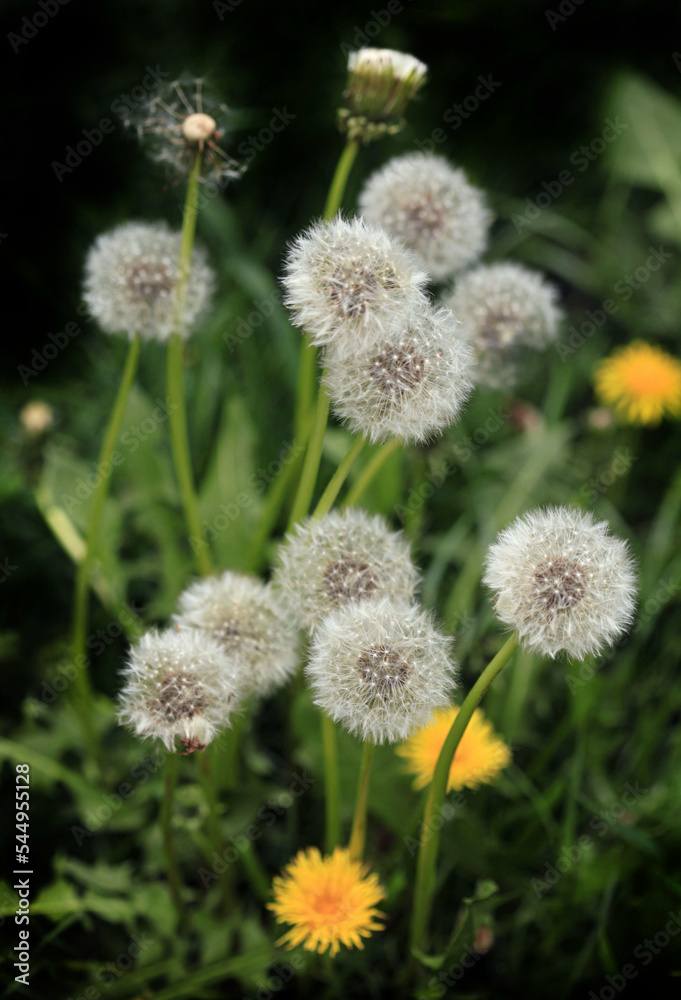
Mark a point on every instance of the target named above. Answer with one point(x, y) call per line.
point(179, 685)
point(244, 616)
point(182, 120)
point(131, 276)
point(642, 382)
point(431, 208)
point(346, 279)
point(329, 901)
point(410, 383)
point(504, 307)
point(381, 82)
point(479, 758)
point(380, 668)
point(563, 581)
point(344, 557)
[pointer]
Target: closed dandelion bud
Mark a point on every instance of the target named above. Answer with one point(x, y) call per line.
point(344, 557)
point(380, 668)
point(243, 615)
point(182, 121)
point(179, 685)
point(131, 275)
point(380, 84)
point(562, 581)
point(345, 279)
point(411, 383)
point(504, 307)
point(430, 207)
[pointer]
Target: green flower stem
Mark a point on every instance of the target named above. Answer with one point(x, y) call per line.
point(84, 570)
point(175, 376)
point(327, 498)
point(274, 501)
point(370, 470)
point(207, 779)
point(340, 178)
point(172, 867)
point(430, 837)
point(331, 783)
point(313, 457)
point(307, 375)
point(359, 823)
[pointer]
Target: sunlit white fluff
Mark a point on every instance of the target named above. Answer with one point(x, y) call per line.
point(346, 279)
point(410, 383)
point(380, 668)
point(563, 581)
point(244, 616)
point(504, 307)
point(431, 208)
point(179, 685)
point(131, 277)
point(343, 557)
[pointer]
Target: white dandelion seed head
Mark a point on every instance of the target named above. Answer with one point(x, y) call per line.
point(182, 119)
point(381, 668)
point(504, 307)
point(131, 277)
point(344, 557)
point(562, 581)
point(346, 279)
point(410, 384)
point(431, 208)
point(179, 685)
point(248, 621)
point(381, 82)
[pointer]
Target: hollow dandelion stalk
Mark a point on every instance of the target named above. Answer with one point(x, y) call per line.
point(80, 611)
point(359, 823)
point(175, 377)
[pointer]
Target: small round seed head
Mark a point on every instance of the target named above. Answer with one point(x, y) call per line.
point(243, 615)
point(131, 277)
point(504, 307)
point(181, 120)
point(430, 207)
point(411, 383)
point(380, 668)
point(346, 279)
point(563, 581)
point(344, 557)
point(179, 685)
point(381, 82)
point(36, 417)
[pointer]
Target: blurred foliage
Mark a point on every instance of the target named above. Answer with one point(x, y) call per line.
point(582, 734)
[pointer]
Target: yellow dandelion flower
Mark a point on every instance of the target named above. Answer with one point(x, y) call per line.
point(642, 382)
point(329, 901)
point(479, 758)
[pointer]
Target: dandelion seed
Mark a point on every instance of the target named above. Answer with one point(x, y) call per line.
point(430, 207)
point(131, 275)
point(181, 121)
point(479, 758)
point(329, 901)
point(380, 668)
point(179, 685)
point(381, 82)
point(502, 308)
point(346, 279)
point(346, 556)
point(642, 382)
point(411, 383)
point(243, 615)
point(563, 581)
